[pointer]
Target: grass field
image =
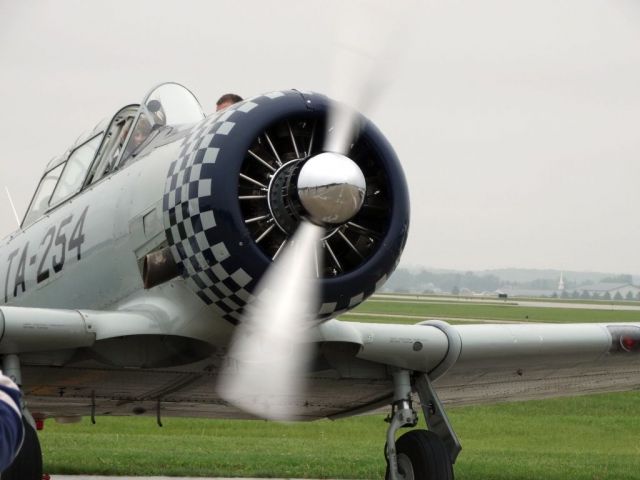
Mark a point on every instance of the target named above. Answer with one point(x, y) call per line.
point(593, 437)
point(495, 300)
point(492, 312)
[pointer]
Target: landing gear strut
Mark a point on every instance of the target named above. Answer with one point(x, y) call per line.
point(28, 463)
point(419, 454)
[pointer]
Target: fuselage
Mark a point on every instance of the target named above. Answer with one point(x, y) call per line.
point(215, 196)
point(87, 254)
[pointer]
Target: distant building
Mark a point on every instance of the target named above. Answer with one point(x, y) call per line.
point(561, 283)
point(612, 289)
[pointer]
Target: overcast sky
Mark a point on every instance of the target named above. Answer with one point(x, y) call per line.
point(517, 123)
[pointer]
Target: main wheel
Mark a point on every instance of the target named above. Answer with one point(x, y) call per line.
point(422, 456)
point(28, 464)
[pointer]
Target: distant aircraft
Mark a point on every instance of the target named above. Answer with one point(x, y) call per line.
point(142, 258)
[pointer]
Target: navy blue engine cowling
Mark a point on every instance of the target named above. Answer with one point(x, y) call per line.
point(230, 203)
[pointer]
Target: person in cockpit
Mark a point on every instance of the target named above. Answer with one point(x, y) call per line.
point(140, 133)
point(157, 112)
point(227, 100)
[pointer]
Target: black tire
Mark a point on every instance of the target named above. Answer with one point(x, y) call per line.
point(28, 464)
point(422, 456)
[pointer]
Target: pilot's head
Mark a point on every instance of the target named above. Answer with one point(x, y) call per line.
point(140, 132)
point(157, 112)
point(226, 100)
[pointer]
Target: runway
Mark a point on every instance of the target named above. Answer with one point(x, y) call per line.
point(408, 298)
point(424, 318)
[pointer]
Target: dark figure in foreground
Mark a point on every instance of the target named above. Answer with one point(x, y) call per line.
point(11, 429)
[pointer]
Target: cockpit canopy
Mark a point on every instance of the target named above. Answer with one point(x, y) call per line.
point(111, 146)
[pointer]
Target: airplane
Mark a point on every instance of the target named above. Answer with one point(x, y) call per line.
point(141, 259)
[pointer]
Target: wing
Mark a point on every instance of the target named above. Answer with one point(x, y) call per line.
point(494, 362)
point(521, 362)
point(26, 329)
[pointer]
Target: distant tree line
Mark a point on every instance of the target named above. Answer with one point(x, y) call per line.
point(618, 279)
point(423, 281)
point(457, 283)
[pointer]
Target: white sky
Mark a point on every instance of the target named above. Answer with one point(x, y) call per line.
point(517, 123)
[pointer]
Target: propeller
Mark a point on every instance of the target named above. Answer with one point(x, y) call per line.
point(269, 354)
point(370, 39)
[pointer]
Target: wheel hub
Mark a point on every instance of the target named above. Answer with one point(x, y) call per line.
point(405, 468)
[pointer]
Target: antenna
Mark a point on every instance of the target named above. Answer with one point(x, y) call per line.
point(12, 206)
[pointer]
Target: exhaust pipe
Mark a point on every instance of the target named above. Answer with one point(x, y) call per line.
point(158, 267)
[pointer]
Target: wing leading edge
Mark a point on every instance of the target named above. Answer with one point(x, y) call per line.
point(530, 361)
point(28, 329)
point(489, 363)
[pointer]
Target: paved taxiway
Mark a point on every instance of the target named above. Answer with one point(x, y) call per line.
point(496, 301)
point(424, 318)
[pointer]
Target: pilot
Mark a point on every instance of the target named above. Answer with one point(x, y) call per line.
point(140, 133)
point(227, 100)
point(157, 112)
point(11, 429)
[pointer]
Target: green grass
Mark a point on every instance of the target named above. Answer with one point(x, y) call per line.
point(513, 300)
point(373, 318)
point(594, 437)
point(497, 312)
point(587, 438)
point(201, 447)
point(444, 298)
